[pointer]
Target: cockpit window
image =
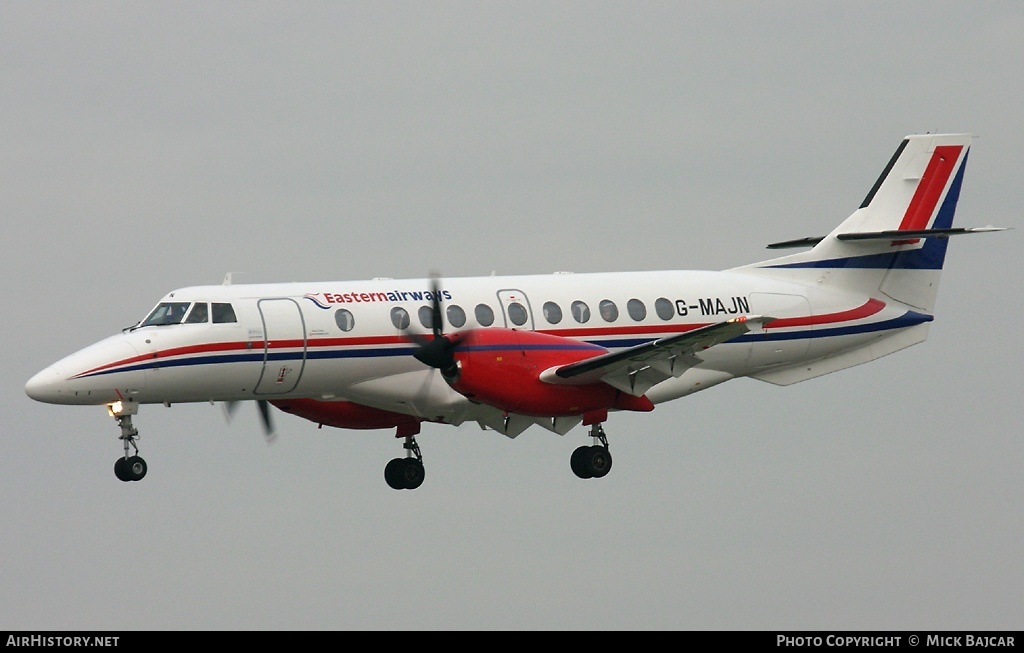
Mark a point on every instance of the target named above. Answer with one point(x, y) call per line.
point(223, 313)
point(200, 313)
point(174, 313)
point(166, 313)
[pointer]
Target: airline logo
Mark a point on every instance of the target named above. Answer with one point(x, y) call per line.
point(326, 300)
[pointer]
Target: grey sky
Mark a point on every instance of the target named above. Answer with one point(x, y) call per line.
point(150, 145)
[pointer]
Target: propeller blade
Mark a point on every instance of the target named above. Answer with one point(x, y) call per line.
point(268, 424)
point(437, 352)
point(229, 409)
point(265, 420)
point(435, 293)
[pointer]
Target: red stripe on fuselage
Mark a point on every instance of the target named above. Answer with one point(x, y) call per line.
point(177, 351)
point(867, 309)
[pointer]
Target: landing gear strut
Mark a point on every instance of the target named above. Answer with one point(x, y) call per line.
point(594, 461)
point(406, 473)
point(128, 467)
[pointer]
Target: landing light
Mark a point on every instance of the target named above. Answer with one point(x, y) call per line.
point(122, 407)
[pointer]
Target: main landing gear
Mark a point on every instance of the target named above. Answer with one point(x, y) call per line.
point(128, 467)
point(594, 461)
point(406, 473)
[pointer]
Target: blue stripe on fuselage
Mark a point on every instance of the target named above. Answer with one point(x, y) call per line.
point(908, 319)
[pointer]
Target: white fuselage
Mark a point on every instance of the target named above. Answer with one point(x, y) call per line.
point(353, 341)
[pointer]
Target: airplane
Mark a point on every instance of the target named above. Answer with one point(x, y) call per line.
point(554, 351)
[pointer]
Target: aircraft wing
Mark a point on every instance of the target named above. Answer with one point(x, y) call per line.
point(637, 369)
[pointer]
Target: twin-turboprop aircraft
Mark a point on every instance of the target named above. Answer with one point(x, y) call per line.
point(553, 351)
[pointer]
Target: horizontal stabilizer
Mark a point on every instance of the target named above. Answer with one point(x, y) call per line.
point(892, 234)
point(810, 241)
point(903, 234)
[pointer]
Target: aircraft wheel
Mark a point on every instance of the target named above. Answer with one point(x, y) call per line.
point(412, 474)
point(577, 463)
point(404, 473)
point(392, 474)
point(599, 461)
point(135, 468)
point(121, 469)
point(591, 462)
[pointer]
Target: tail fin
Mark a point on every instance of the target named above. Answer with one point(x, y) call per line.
point(895, 243)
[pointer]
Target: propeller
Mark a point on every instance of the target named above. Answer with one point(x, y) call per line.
point(439, 351)
point(265, 420)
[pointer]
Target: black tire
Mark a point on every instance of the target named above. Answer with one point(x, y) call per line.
point(412, 473)
point(578, 462)
point(135, 468)
point(392, 475)
point(121, 470)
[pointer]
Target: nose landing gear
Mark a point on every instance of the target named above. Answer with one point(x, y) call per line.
point(128, 467)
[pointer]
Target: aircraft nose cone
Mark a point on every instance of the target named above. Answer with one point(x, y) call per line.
point(46, 385)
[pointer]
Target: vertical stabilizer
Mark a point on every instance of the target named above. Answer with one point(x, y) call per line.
point(894, 243)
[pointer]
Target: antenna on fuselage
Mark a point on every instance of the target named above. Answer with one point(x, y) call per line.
point(228, 278)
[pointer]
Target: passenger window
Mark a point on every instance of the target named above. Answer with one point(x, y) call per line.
point(580, 311)
point(609, 311)
point(200, 313)
point(484, 315)
point(456, 316)
point(223, 313)
point(343, 317)
point(636, 309)
point(552, 312)
point(664, 308)
point(426, 316)
point(517, 314)
point(400, 318)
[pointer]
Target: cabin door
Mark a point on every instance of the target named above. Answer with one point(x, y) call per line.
point(284, 346)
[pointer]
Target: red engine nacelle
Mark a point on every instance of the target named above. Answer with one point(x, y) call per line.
point(502, 367)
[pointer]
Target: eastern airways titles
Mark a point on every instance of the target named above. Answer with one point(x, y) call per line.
point(325, 298)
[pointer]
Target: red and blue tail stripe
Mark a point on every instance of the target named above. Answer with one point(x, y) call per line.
point(931, 255)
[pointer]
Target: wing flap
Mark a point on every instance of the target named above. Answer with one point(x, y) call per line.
point(511, 424)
